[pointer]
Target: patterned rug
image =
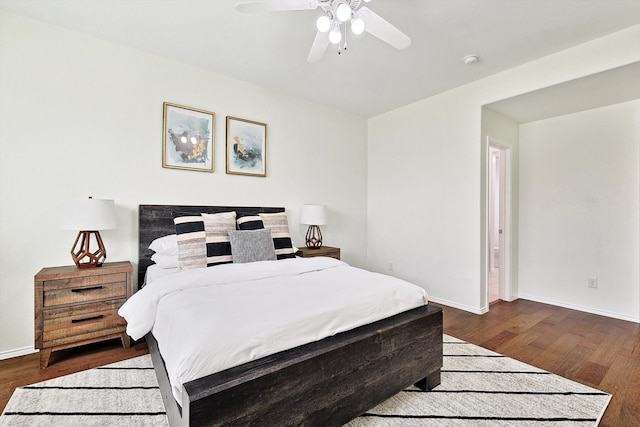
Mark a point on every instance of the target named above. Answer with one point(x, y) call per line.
point(479, 388)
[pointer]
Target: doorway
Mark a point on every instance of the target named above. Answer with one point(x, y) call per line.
point(498, 222)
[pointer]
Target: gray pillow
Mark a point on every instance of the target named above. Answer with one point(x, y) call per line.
point(252, 245)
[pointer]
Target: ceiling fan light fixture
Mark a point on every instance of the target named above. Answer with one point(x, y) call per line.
point(343, 12)
point(357, 26)
point(323, 24)
point(329, 26)
point(335, 36)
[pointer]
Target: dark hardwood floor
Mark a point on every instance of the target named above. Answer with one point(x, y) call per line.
point(598, 351)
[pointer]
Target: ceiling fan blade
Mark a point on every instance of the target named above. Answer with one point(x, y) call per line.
point(276, 5)
point(382, 29)
point(319, 47)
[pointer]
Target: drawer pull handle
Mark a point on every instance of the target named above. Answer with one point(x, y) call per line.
point(100, 316)
point(93, 288)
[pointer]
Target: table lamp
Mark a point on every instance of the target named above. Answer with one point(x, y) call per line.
point(88, 216)
point(313, 216)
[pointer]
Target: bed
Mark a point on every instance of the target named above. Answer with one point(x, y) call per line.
point(320, 383)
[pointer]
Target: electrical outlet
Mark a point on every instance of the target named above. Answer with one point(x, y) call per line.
point(390, 266)
point(592, 282)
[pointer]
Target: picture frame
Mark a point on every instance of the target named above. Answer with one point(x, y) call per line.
point(188, 136)
point(246, 147)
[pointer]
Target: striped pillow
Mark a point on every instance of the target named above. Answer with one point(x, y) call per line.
point(218, 247)
point(249, 222)
point(191, 239)
point(279, 226)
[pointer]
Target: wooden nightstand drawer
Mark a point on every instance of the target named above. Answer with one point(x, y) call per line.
point(327, 251)
point(84, 281)
point(69, 324)
point(84, 292)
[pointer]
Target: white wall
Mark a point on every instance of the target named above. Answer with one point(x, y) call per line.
point(424, 197)
point(426, 172)
point(579, 210)
point(79, 117)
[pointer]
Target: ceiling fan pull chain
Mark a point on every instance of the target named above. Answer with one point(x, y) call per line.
point(345, 37)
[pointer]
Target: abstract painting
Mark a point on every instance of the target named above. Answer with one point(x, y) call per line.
point(187, 139)
point(246, 147)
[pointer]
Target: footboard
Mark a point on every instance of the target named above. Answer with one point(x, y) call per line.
point(324, 383)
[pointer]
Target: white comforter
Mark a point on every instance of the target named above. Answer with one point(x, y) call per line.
point(210, 319)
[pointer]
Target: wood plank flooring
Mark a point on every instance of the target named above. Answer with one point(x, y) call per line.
point(598, 351)
point(24, 370)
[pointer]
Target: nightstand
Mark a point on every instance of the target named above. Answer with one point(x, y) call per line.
point(76, 306)
point(321, 251)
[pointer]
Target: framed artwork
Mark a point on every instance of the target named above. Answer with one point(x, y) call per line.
point(246, 147)
point(187, 138)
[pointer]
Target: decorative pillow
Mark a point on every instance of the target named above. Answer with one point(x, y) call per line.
point(165, 261)
point(217, 226)
point(252, 245)
point(279, 226)
point(191, 239)
point(165, 245)
point(249, 222)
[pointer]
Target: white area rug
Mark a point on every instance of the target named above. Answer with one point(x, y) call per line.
point(482, 388)
point(479, 388)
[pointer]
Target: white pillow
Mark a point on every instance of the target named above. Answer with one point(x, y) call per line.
point(165, 261)
point(165, 245)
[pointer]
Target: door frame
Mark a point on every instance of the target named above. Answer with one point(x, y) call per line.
point(505, 205)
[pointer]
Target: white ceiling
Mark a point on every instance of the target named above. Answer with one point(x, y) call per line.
point(270, 49)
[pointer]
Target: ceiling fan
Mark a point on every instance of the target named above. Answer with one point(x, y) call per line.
point(332, 24)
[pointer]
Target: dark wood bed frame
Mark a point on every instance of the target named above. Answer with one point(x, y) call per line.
point(324, 383)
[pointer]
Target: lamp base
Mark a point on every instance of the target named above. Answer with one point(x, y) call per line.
point(314, 237)
point(81, 250)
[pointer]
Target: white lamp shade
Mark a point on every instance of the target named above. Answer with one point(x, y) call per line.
point(313, 215)
point(335, 36)
point(323, 24)
point(343, 12)
point(357, 26)
point(88, 215)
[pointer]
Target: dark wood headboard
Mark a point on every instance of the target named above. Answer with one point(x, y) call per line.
point(157, 220)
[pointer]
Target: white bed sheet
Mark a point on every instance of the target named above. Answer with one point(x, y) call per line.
point(154, 271)
point(207, 320)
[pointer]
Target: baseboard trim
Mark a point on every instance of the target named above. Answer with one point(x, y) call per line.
point(459, 306)
point(580, 308)
point(8, 354)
